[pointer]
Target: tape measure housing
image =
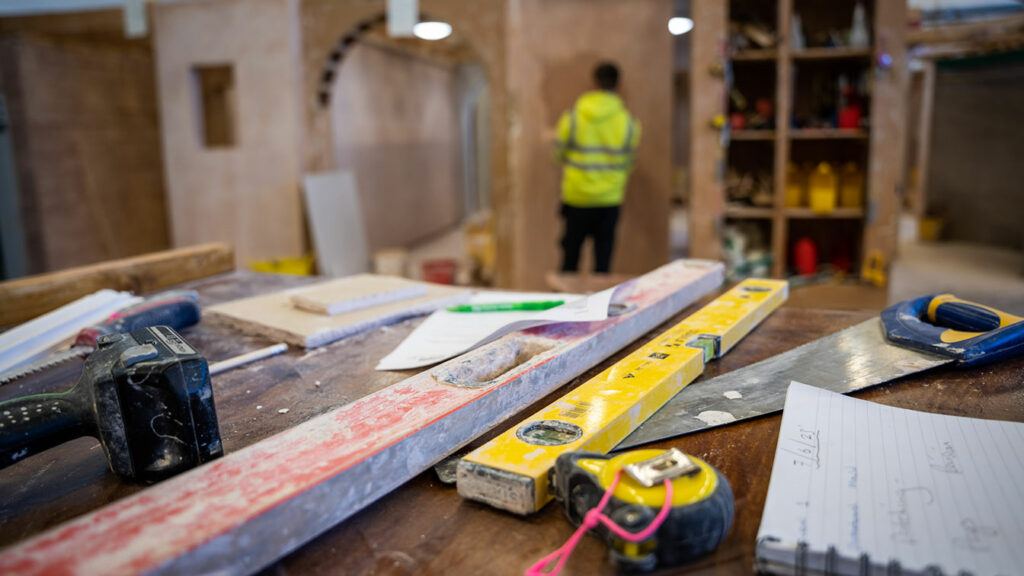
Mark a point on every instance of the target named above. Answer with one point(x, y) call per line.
point(700, 518)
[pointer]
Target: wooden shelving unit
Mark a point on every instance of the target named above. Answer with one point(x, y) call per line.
point(828, 134)
point(749, 212)
point(838, 213)
point(755, 55)
point(753, 135)
point(831, 53)
point(879, 150)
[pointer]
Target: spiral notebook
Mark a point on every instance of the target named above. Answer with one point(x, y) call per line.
point(862, 488)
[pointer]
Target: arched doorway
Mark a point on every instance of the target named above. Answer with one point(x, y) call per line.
point(483, 23)
point(410, 118)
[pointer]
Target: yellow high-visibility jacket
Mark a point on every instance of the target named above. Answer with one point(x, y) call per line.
point(597, 141)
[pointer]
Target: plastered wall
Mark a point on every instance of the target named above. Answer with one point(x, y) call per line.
point(974, 179)
point(553, 48)
point(247, 194)
point(481, 22)
point(395, 126)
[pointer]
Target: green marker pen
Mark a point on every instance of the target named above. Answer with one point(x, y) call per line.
point(508, 306)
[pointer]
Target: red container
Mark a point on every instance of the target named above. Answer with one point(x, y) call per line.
point(439, 271)
point(849, 117)
point(805, 257)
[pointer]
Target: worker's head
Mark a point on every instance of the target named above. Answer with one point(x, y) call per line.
point(606, 76)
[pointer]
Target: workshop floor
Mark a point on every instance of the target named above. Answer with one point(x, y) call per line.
point(990, 275)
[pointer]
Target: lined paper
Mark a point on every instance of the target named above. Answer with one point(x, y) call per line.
point(922, 490)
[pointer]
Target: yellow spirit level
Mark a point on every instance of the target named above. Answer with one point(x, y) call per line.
point(511, 471)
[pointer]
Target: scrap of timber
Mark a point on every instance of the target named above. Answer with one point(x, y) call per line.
point(249, 508)
point(22, 299)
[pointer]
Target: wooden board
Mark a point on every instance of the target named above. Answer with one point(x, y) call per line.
point(26, 298)
point(83, 117)
point(356, 293)
point(336, 223)
point(248, 194)
point(395, 125)
point(240, 512)
point(548, 70)
point(275, 317)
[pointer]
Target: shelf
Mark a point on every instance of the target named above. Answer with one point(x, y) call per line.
point(828, 134)
point(752, 135)
point(755, 55)
point(831, 53)
point(748, 212)
point(838, 213)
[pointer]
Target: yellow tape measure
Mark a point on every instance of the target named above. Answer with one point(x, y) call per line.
point(654, 508)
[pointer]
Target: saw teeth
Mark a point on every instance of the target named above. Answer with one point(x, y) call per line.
point(44, 363)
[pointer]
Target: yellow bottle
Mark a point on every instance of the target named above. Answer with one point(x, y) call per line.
point(796, 180)
point(823, 188)
point(851, 186)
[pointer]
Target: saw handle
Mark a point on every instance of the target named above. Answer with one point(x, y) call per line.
point(32, 424)
point(945, 325)
point(177, 308)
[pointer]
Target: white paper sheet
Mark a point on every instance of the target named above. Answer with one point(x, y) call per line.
point(894, 485)
point(445, 334)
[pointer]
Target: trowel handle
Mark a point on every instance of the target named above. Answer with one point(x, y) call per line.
point(32, 424)
point(945, 325)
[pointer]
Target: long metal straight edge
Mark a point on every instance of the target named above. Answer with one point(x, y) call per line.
point(241, 512)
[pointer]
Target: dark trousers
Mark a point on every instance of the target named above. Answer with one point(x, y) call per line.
point(598, 223)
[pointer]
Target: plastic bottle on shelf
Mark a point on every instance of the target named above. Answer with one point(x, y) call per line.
point(859, 37)
point(796, 33)
point(823, 187)
point(805, 256)
point(851, 186)
point(796, 181)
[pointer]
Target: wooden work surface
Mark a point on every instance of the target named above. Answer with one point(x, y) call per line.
point(424, 527)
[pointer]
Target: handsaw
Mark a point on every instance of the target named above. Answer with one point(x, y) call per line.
point(907, 338)
point(175, 308)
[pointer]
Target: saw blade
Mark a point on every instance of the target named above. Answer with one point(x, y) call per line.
point(44, 363)
point(849, 360)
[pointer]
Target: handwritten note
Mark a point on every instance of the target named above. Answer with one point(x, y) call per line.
point(854, 481)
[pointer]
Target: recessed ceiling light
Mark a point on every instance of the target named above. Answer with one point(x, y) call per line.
point(679, 25)
point(432, 30)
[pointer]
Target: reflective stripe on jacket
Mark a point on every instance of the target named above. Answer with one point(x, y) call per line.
point(597, 141)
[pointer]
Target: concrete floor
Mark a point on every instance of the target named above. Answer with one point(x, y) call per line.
point(985, 274)
point(992, 276)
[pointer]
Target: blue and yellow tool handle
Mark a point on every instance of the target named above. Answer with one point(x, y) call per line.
point(965, 331)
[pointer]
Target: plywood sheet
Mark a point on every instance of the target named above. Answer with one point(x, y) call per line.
point(86, 138)
point(395, 127)
point(336, 220)
point(275, 317)
point(248, 194)
point(356, 293)
point(548, 70)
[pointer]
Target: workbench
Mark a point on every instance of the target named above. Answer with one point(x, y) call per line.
point(424, 527)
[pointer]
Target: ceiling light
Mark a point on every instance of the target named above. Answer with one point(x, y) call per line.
point(432, 30)
point(679, 26)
